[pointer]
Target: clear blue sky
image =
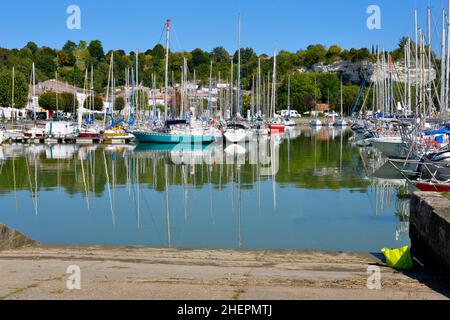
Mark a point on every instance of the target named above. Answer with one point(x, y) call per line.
point(266, 24)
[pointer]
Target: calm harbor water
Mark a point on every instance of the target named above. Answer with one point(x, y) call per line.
point(305, 190)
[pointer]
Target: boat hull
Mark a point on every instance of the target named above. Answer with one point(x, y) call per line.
point(235, 136)
point(393, 148)
point(430, 187)
point(172, 139)
point(277, 128)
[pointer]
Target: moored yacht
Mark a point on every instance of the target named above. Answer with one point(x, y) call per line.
point(236, 132)
point(316, 123)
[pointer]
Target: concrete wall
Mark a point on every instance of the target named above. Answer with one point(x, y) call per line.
point(430, 229)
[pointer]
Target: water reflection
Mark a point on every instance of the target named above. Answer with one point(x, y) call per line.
point(306, 189)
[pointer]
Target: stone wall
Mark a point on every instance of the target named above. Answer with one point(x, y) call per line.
point(430, 229)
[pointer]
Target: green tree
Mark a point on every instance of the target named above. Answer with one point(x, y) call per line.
point(69, 46)
point(119, 104)
point(64, 101)
point(45, 59)
point(96, 51)
point(32, 46)
point(199, 57)
point(66, 58)
point(334, 53)
point(350, 94)
point(221, 55)
point(98, 103)
point(20, 89)
point(313, 54)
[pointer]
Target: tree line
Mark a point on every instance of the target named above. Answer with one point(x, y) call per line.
point(72, 60)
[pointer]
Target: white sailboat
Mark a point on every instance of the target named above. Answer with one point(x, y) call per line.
point(3, 137)
point(315, 122)
point(288, 122)
point(235, 131)
point(341, 122)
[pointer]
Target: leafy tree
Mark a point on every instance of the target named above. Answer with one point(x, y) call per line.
point(313, 54)
point(220, 55)
point(334, 53)
point(58, 101)
point(350, 94)
point(199, 57)
point(119, 104)
point(20, 89)
point(45, 61)
point(158, 52)
point(66, 58)
point(96, 51)
point(32, 46)
point(98, 103)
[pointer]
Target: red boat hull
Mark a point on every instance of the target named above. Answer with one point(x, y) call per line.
point(89, 135)
point(277, 128)
point(429, 187)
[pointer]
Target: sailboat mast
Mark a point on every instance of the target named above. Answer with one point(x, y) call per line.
point(34, 91)
point(289, 96)
point(447, 63)
point(137, 84)
point(166, 97)
point(92, 92)
point(342, 100)
point(232, 88)
point(408, 57)
point(274, 81)
point(210, 91)
point(429, 85)
point(13, 86)
point(417, 60)
point(258, 94)
point(253, 97)
point(443, 77)
point(239, 65)
point(107, 90)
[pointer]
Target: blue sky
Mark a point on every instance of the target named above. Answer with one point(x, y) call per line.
point(266, 24)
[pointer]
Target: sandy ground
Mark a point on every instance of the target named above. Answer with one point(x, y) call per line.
point(134, 273)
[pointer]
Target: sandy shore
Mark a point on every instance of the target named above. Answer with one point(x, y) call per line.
point(134, 273)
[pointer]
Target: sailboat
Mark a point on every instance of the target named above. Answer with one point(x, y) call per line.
point(277, 124)
point(173, 131)
point(3, 137)
point(288, 122)
point(315, 122)
point(114, 134)
point(341, 122)
point(236, 131)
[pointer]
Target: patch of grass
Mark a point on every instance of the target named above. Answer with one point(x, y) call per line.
point(18, 291)
point(237, 294)
point(58, 291)
point(446, 195)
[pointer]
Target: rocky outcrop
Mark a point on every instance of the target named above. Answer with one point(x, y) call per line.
point(356, 71)
point(12, 239)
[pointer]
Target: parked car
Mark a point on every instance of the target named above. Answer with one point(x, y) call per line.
point(331, 114)
point(294, 113)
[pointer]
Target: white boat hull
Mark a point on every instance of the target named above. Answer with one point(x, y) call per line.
point(393, 148)
point(236, 136)
point(316, 123)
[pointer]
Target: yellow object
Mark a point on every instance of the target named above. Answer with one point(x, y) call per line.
point(400, 258)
